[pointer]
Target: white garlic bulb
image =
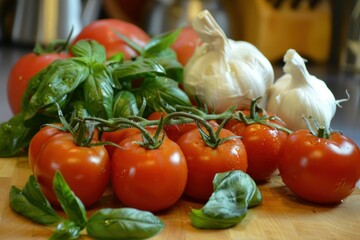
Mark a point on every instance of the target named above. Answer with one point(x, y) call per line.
point(298, 94)
point(223, 72)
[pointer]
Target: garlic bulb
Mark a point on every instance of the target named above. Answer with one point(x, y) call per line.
point(223, 72)
point(298, 94)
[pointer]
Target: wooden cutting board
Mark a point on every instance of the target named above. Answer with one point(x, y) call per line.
point(280, 216)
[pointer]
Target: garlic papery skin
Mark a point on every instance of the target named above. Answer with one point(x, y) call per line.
point(223, 72)
point(299, 94)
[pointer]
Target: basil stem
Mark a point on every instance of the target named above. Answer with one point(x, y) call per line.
point(66, 230)
point(234, 193)
point(71, 204)
point(123, 223)
point(31, 203)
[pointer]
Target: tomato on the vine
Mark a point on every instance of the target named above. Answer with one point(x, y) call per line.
point(22, 71)
point(173, 131)
point(185, 44)
point(320, 169)
point(148, 179)
point(205, 161)
point(262, 144)
point(85, 169)
point(104, 32)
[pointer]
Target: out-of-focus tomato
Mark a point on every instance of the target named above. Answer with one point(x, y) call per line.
point(204, 161)
point(320, 170)
point(104, 32)
point(85, 169)
point(262, 143)
point(148, 179)
point(174, 132)
point(22, 71)
point(185, 44)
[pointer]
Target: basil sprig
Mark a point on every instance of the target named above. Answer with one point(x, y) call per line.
point(108, 223)
point(88, 78)
point(234, 192)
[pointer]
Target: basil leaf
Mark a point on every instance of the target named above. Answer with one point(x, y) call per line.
point(168, 59)
point(60, 78)
point(159, 43)
point(98, 92)
point(66, 230)
point(31, 203)
point(15, 136)
point(125, 104)
point(130, 70)
point(72, 205)
point(89, 49)
point(234, 192)
point(123, 223)
point(161, 94)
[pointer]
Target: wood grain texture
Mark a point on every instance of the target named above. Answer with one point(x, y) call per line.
point(280, 216)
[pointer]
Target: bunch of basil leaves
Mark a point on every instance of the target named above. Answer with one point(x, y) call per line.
point(88, 84)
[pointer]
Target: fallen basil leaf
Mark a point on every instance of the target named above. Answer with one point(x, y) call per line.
point(71, 204)
point(31, 203)
point(123, 223)
point(234, 192)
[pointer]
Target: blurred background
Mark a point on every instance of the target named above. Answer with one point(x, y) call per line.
point(317, 29)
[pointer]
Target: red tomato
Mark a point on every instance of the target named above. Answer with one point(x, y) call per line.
point(116, 137)
point(22, 71)
point(262, 145)
point(104, 32)
point(85, 169)
point(317, 169)
point(148, 179)
point(204, 161)
point(173, 131)
point(185, 44)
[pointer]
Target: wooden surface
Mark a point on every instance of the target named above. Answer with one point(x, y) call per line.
point(280, 216)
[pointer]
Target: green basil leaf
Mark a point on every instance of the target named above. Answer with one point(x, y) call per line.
point(234, 192)
point(173, 68)
point(89, 49)
point(98, 92)
point(131, 70)
point(71, 204)
point(60, 78)
point(15, 136)
point(123, 223)
point(161, 94)
point(66, 230)
point(125, 104)
point(31, 203)
point(159, 43)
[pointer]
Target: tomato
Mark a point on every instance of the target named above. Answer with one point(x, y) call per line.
point(85, 169)
point(148, 179)
point(116, 137)
point(185, 44)
point(104, 32)
point(173, 131)
point(204, 161)
point(262, 143)
point(22, 71)
point(318, 169)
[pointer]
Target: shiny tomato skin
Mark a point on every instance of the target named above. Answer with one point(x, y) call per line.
point(204, 161)
point(262, 144)
point(22, 71)
point(36, 143)
point(104, 32)
point(85, 169)
point(317, 169)
point(185, 44)
point(146, 179)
